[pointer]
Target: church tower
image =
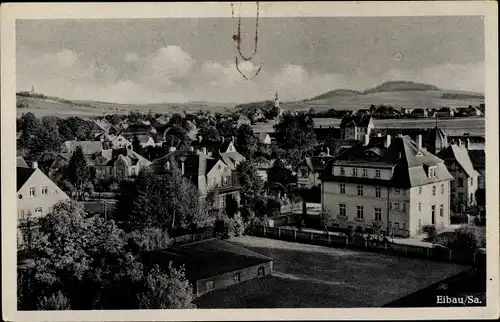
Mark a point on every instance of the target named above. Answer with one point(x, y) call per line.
point(32, 88)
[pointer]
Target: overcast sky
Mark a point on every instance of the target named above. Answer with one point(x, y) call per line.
point(177, 60)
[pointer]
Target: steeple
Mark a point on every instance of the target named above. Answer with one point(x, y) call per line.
point(277, 105)
point(32, 88)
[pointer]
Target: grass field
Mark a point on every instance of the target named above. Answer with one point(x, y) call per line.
point(308, 276)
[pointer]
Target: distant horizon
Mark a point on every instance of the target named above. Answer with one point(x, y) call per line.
point(361, 91)
point(140, 61)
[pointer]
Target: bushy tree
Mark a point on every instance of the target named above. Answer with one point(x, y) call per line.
point(149, 239)
point(166, 290)
point(136, 144)
point(78, 171)
point(296, 137)
point(280, 174)
point(236, 226)
point(210, 133)
point(56, 301)
point(251, 183)
point(466, 240)
point(246, 141)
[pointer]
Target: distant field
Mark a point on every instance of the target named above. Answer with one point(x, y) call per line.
point(308, 276)
point(407, 99)
point(455, 126)
point(49, 107)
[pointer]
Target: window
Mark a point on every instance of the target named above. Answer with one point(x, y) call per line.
point(460, 197)
point(22, 215)
point(236, 278)
point(377, 192)
point(442, 188)
point(32, 191)
point(355, 172)
point(404, 225)
point(342, 189)
point(377, 173)
point(396, 225)
point(419, 190)
point(441, 211)
point(404, 192)
point(261, 271)
point(397, 190)
point(56, 192)
point(432, 172)
point(45, 191)
point(396, 206)
point(343, 210)
point(38, 211)
point(342, 171)
point(390, 205)
point(433, 190)
point(433, 213)
point(460, 182)
point(210, 285)
point(471, 181)
point(360, 190)
point(419, 206)
point(404, 207)
point(378, 214)
point(359, 212)
point(365, 173)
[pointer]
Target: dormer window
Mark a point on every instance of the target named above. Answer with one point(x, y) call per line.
point(432, 172)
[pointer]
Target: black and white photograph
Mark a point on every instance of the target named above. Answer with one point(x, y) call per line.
point(201, 158)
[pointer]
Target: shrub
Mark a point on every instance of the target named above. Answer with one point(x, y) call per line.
point(149, 239)
point(54, 302)
point(466, 239)
point(431, 233)
point(459, 219)
point(236, 226)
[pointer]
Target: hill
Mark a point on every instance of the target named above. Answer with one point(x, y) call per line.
point(42, 105)
point(395, 93)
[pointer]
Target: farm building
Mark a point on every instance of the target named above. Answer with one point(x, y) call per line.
point(213, 263)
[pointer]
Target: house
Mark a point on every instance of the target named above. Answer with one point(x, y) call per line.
point(215, 148)
point(243, 120)
point(206, 172)
point(436, 140)
point(444, 112)
point(111, 141)
point(354, 127)
point(36, 193)
point(88, 147)
point(145, 140)
point(478, 159)
point(263, 167)
point(392, 183)
point(103, 124)
point(264, 138)
point(419, 113)
point(21, 162)
point(213, 263)
point(138, 129)
point(465, 185)
point(309, 169)
point(257, 115)
point(119, 163)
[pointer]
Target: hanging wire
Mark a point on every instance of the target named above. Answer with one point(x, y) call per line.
point(237, 40)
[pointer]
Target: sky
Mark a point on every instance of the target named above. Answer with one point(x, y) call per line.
point(193, 59)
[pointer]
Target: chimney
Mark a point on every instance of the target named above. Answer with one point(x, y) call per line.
point(168, 165)
point(366, 139)
point(388, 140)
point(204, 150)
point(467, 143)
point(182, 167)
point(34, 165)
point(459, 142)
point(172, 149)
point(419, 141)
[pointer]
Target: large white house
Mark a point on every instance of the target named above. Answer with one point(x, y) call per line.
point(389, 182)
point(354, 127)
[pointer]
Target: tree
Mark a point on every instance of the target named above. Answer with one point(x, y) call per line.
point(280, 174)
point(136, 144)
point(177, 136)
point(29, 126)
point(466, 240)
point(78, 171)
point(166, 290)
point(246, 141)
point(251, 183)
point(226, 127)
point(57, 301)
point(296, 137)
point(210, 133)
point(148, 239)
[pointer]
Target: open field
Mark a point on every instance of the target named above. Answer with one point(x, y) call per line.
point(316, 276)
point(452, 126)
point(407, 99)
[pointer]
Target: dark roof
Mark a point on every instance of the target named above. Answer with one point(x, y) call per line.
point(409, 163)
point(21, 162)
point(478, 158)
point(460, 155)
point(438, 139)
point(317, 163)
point(23, 174)
point(356, 120)
point(208, 258)
point(138, 128)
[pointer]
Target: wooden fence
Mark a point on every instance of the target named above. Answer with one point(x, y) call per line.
point(358, 242)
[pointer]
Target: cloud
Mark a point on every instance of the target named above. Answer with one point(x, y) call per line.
point(172, 75)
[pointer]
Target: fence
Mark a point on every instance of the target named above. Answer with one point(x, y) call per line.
point(359, 242)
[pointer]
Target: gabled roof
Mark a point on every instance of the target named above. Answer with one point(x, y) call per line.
point(208, 258)
point(231, 158)
point(88, 147)
point(438, 139)
point(409, 163)
point(361, 120)
point(318, 163)
point(461, 156)
point(23, 174)
point(21, 162)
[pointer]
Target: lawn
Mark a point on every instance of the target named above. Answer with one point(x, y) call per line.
point(311, 276)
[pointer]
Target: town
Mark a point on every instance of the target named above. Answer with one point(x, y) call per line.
point(218, 209)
